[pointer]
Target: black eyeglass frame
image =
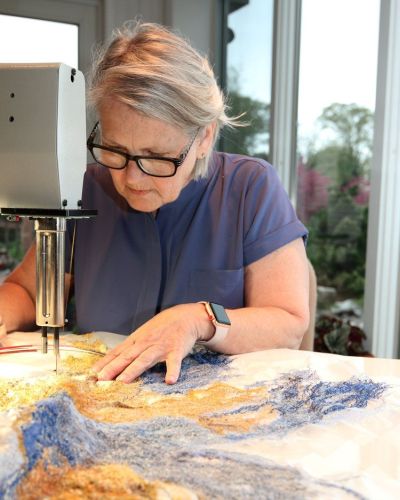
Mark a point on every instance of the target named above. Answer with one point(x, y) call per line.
point(136, 158)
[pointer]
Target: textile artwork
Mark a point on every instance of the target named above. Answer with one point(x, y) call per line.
point(273, 424)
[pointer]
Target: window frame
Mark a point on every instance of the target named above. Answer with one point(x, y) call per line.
point(382, 290)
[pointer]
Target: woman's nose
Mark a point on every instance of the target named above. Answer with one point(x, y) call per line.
point(133, 171)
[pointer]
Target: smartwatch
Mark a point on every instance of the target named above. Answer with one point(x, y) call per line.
point(221, 322)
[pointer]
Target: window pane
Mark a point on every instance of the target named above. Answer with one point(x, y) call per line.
point(338, 64)
point(24, 39)
point(248, 71)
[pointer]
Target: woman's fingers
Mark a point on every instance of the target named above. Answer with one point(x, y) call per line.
point(174, 363)
point(143, 362)
point(131, 363)
point(111, 355)
point(117, 362)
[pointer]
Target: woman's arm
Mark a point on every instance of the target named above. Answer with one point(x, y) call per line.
point(276, 296)
point(17, 296)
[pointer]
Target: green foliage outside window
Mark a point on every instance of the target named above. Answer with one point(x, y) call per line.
point(335, 206)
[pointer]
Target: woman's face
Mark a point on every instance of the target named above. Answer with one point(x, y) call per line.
point(137, 134)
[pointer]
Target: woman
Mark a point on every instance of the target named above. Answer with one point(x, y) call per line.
point(179, 226)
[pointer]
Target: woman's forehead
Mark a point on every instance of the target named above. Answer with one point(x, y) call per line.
point(113, 112)
point(122, 125)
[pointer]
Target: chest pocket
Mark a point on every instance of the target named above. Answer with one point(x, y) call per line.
point(224, 286)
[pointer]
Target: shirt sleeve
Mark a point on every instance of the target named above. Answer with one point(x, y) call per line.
point(270, 220)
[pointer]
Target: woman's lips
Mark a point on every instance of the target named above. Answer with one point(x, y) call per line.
point(138, 192)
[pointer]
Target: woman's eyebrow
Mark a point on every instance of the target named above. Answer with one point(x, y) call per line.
point(146, 151)
point(111, 144)
point(152, 150)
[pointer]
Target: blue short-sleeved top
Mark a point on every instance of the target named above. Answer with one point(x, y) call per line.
point(129, 265)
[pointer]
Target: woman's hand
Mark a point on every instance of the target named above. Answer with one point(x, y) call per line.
point(169, 337)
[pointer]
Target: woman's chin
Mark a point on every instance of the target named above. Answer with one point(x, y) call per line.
point(142, 205)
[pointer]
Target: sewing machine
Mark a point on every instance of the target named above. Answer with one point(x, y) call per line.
point(42, 163)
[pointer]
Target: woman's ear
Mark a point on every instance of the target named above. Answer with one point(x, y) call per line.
point(206, 140)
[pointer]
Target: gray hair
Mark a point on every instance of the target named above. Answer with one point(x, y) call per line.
point(157, 72)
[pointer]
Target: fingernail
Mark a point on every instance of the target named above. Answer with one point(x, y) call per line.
point(122, 378)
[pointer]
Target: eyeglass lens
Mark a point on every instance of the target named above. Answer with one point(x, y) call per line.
point(150, 166)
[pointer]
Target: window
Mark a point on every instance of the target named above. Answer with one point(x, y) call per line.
point(24, 39)
point(249, 25)
point(338, 66)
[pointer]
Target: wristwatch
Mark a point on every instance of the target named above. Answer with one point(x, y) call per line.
point(220, 320)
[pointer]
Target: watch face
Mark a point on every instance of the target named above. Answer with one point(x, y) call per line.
point(220, 314)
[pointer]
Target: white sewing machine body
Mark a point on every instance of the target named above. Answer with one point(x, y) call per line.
point(42, 136)
point(42, 164)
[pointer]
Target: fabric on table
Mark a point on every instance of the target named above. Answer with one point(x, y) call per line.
point(272, 424)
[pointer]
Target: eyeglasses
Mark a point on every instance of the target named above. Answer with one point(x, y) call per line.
point(156, 166)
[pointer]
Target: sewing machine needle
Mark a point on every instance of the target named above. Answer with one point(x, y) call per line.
point(44, 339)
point(57, 347)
